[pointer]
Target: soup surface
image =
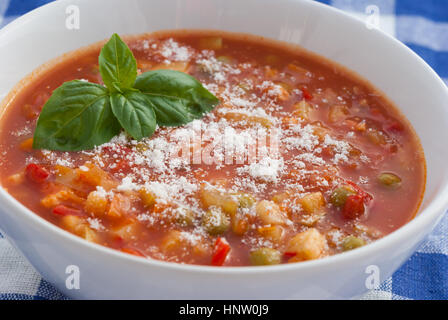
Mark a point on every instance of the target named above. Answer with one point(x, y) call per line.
point(300, 160)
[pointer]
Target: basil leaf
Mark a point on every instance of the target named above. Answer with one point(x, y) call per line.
point(118, 66)
point(177, 97)
point(134, 113)
point(76, 117)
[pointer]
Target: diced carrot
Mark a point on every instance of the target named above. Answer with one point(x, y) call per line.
point(95, 176)
point(220, 252)
point(62, 210)
point(36, 173)
point(353, 207)
point(27, 145)
point(134, 252)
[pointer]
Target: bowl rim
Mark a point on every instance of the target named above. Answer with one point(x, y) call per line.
point(436, 207)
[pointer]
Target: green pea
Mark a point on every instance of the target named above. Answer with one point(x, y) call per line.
point(185, 217)
point(352, 242)
point(265, 256)
point(339, 195)
point(389, 180)
point(246, 201)
point(215, 221)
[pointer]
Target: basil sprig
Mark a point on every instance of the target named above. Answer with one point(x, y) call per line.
point(81, 115)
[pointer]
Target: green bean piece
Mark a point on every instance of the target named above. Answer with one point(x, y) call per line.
point(265, 256)
point(215, 221)
point(352, 242)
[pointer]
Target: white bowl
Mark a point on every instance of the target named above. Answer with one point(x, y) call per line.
point(421, 95)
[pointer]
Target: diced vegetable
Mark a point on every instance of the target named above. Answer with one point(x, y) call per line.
point(246, 201)
point(376, 136)
point(272, 233)
point(212, 197)
point(220, 252)
point(126, 231)
point(36, 173)
point(303, 110)
point(389, 180)
point(171, 242)
point(340, 194)
point(132, 251)
point(64, 195)
point(353, 207)
point(27, 145)
point(269, 212)
point(184, 216)
point(281, 197)
point(239, 225)
point(352, 242)
point(270, 72)
point(119, 206)
point(147, 197)
point(250, 120)
point(181, 66)
point(95, 176)
point(79, 226)
point(337, 113)
point(312, 202)
point(265, 256)
point(16, 179)
point(215, 221)
point(210, 43)
point(307, 245)
point(295, 68)
point(306, 94)
point(96, 204)
point(62, 210)
point(225, 59)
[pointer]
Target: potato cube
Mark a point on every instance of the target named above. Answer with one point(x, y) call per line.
point(307, 245)
point(273, 233)
point(119, 206)
point(269, 212)
point(302, 110)
point(312, 202)
point(337, 113)
point(96, 203)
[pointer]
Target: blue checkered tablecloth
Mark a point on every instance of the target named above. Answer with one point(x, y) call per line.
point(421, 25)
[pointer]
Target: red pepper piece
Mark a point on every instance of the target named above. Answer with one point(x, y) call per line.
point(353, 207)
point(289, 254)
point(365, 196)
point(220, 252)
point(306, 94)
point(62, 210)
point(36, 173)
